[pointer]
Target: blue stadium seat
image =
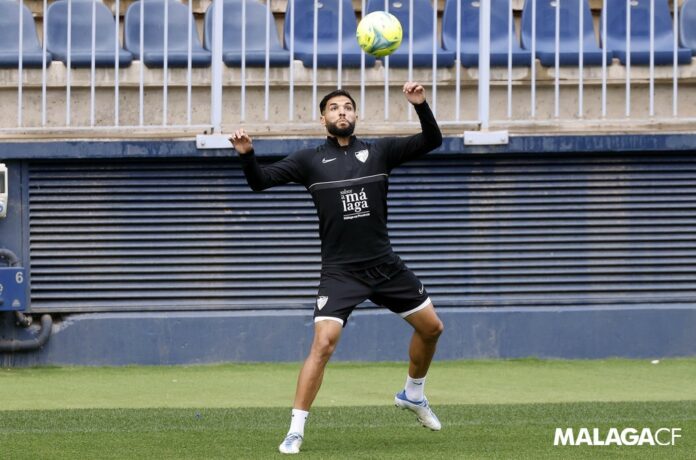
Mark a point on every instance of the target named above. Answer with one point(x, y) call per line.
point(327, 34)
point(32, 54)
point(255, 46)
point(81, 36)
point(640, 33)
point(569, 25)
point(469, 26)
point(422, 36)
point(687, 25)
point(153, 41)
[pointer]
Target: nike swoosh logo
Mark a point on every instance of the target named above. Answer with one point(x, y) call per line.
point(324, 160)
point(418, 383)
point(420, 291)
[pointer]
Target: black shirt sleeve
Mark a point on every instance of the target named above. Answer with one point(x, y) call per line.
point(399, 150)
point(281, 172)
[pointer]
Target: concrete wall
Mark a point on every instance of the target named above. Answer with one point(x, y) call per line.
point(370, 335)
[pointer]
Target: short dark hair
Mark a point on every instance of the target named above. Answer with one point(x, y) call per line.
point(334, 93)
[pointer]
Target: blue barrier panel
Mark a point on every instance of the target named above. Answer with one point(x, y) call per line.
point(12, 289)
point(115, 339)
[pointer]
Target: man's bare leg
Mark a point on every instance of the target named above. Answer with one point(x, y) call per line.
point(326, 335)
point(427, 329)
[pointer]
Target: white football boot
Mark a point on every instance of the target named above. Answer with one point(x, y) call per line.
point(291, 444)
point(422, 409)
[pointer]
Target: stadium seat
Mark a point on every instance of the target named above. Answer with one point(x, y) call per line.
point(327, 33)
point(640, 33)
point(81, 36)
point(422, 37)
point(255, 45)
point(153, 35)
point(469, 39)
point(687, 25)
point(569, 28)
point(32, 54)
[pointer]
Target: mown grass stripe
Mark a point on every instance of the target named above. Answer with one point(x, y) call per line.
point(470, 431)
point(347, 384)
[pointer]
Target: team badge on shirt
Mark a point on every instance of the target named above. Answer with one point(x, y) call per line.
point(362, 155)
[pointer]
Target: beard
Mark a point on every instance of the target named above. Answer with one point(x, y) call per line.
point(334, 130)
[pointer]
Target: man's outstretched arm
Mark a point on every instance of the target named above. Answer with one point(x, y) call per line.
point(262, 177)
point(405, 149)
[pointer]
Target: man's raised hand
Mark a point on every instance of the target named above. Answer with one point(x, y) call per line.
point(241, 142)
point(414, 92)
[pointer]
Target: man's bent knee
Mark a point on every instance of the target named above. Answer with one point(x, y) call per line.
point(326, 335)
point(439, 328)
point(426, 323)
point(324, 346)
point(432, 331)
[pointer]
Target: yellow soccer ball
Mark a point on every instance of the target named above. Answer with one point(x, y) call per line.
point(379, 33)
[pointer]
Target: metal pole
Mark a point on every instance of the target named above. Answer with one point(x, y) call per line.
point(315, 45)
point(267, 86)
point(675, 69)
point(291, 88)
point(216, 77)
point(628, 58)
point(339, 69)
point(43, 68)
point(484, 64)
point(92, 69)
point(604, 59)
point(533, 59)
point(242, 103)
point(20, 68)
point(556, 60)
point(410, 53)
point(509, 59)
point(116, 62)
point(386, 69)
point(362, 67)
point(652, 59)
point(189, 61)
point(165, 70)
point(581, 58)
point(68, 67)
point(141, 87)
point(435, 46)
point(458, 64)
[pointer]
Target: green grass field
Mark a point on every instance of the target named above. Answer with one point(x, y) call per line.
point(489, 409)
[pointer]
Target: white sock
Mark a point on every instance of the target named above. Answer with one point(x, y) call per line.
point(299, 417)
point(414, 389)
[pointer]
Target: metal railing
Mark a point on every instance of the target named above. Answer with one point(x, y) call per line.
point(232, 92)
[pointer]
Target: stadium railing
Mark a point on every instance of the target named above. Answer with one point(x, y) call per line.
point(552, 93)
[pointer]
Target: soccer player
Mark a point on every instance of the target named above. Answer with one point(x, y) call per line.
point(348, 180)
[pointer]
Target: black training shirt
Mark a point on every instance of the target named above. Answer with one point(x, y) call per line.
point(349, 188)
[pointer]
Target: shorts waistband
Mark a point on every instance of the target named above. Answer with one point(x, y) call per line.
point(359, 266)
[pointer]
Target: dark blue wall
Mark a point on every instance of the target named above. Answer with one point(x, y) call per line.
point(370, 335)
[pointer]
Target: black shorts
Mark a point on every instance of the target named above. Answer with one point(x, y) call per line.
point(391, 285)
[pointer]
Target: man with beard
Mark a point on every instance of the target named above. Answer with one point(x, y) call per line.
point(348, 181)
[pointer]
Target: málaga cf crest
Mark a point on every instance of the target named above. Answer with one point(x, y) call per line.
point(321, 301)
point(362, 155)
